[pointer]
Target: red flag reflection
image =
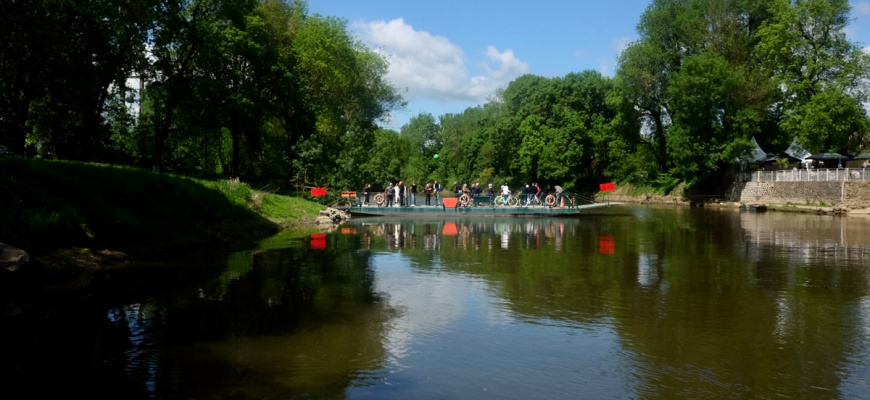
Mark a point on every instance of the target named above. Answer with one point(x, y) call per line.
point(606, 244)
point(449, 228)
point(318, 241)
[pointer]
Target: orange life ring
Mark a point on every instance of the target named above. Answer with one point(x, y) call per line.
point(464, 199)
point(551, 200)
point(379, 199)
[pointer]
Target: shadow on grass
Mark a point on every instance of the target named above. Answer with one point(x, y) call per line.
point(45, 205)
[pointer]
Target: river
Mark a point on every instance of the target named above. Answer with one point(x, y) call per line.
point(634, 302)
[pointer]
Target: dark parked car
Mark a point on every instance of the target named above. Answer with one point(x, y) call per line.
point(4, 151)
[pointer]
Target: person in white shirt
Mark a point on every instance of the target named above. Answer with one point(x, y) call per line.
point(505, 192)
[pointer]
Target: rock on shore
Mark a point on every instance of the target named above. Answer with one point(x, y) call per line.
point(11, 257)
point(332, 216)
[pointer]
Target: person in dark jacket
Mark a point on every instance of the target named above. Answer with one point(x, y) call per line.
point(401, 192)
point(388, 195)
point(366, 191)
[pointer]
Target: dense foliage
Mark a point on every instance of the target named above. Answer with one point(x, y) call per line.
point(250, 88)
point(259, 89)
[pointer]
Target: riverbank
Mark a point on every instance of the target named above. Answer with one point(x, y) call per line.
point(635, 195)
point(81, 215)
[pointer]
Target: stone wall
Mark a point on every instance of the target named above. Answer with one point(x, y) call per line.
point(850, 195)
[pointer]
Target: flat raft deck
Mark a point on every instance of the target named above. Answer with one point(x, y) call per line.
point(481, 211)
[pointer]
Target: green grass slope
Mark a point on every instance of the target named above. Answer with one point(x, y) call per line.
point(46, 205)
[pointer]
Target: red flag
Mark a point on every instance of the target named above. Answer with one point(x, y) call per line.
point(318, 192)
point(606, 187)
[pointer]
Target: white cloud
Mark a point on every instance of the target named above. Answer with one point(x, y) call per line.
point(432, 67)
point(862, 9)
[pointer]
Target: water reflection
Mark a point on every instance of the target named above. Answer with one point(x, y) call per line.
point(487, 234)
point(645, 303)
point(701, 302)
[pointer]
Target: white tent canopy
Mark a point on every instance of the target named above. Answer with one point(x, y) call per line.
point(756, 155)
point(797, 151)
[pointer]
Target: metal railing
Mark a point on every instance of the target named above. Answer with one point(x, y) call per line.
point(805, 175)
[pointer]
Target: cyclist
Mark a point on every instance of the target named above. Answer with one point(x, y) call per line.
point(505, 192)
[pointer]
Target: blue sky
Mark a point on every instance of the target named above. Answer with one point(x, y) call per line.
point(451, 55)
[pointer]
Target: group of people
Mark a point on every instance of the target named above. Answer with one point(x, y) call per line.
point(403, 195)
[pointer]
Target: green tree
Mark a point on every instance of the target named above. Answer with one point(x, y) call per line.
point(723, 106)
point(822, 74)
point(58, 62)
point(343, 83)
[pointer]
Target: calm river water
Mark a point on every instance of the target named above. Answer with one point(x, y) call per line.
point(633, 303)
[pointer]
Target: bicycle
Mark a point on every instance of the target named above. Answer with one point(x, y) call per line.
point(511, 200)
point(534, 201)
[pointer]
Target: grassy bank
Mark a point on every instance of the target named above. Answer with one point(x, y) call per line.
point(50, 205)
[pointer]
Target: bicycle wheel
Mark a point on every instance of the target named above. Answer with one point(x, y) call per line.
point(499, 200)
point(512, 201)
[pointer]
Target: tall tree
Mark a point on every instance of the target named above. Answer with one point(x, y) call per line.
point(822, 75)
point(713, 38)
point(59, 60)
